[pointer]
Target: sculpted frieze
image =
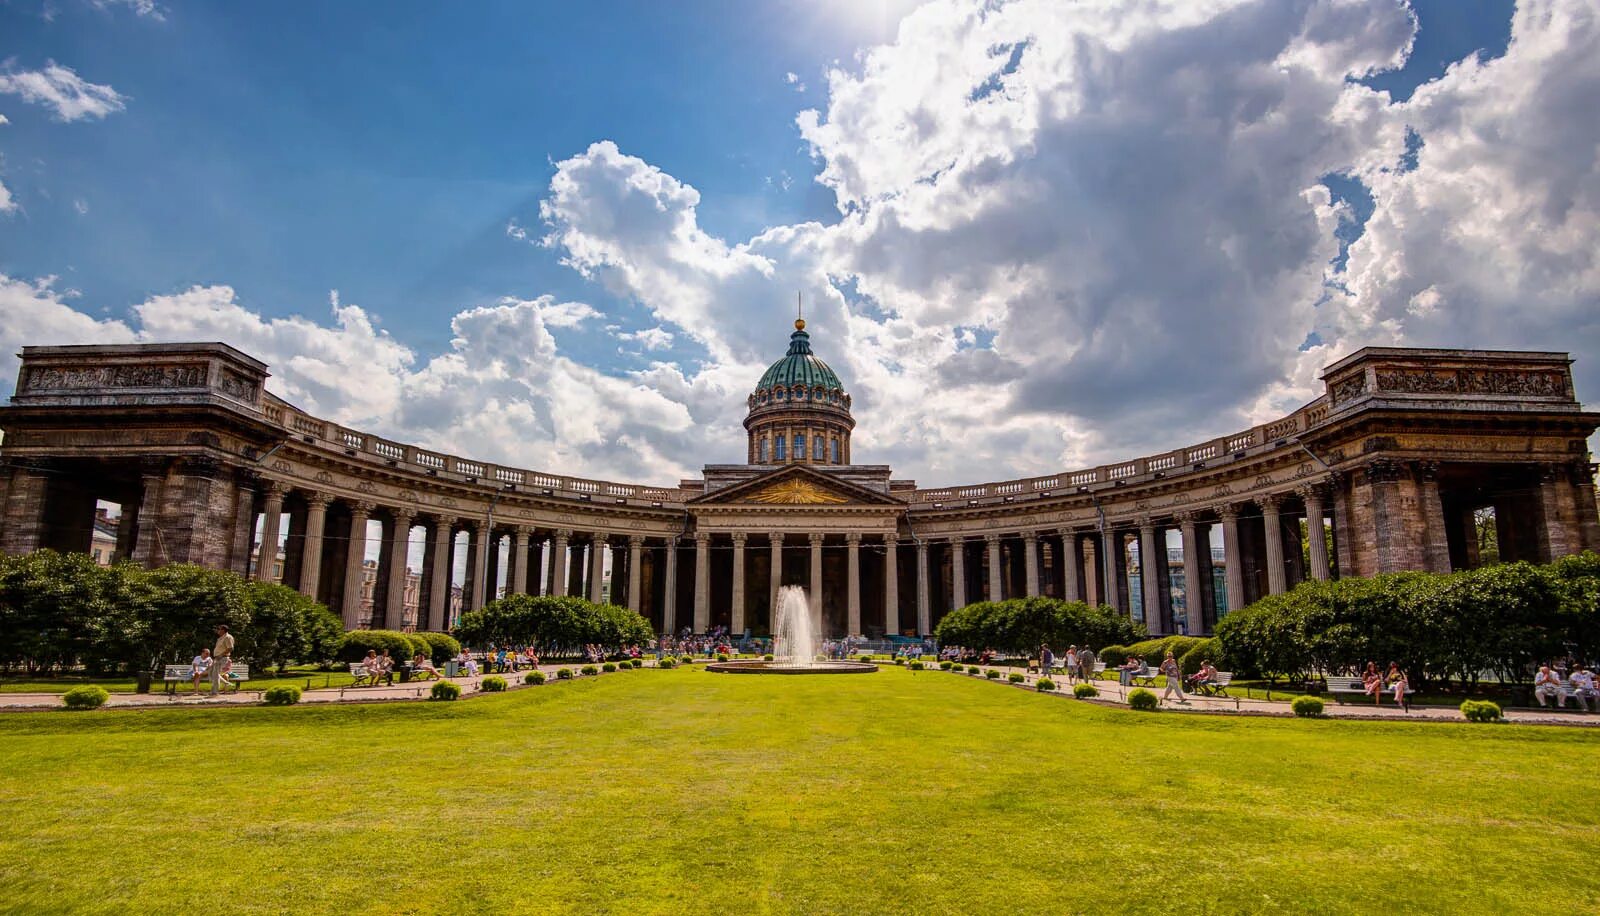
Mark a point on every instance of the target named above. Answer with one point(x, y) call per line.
point(1348, 389)
point(283, 466)
point(1519, 382)
point(323, 477)
point(236, 385)
point(191, 375)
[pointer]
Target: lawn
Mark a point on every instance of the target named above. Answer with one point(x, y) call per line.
point(685, 791)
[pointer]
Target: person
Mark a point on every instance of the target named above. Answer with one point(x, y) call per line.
point(469, 663)
point(1126, 670)
point(221, 657)
point(369, 664)
point(201, 666)
point(1047, 659)
point(1086, 662)
point(1200, 679)
point(1169, 667)
point(1071, 666)
point(385, 669)
point(422, 667)
point(1548, 684)
point(1372, 682)
point(1399, 683)
point(1584, 690)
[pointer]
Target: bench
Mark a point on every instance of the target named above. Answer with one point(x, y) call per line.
point(173, 675)
point(1342, 684)
point(1145, 677)
point(1565, 691)
point(360, 673)
point(1217, 687)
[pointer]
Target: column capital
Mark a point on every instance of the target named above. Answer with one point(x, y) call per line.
point(403, 512)
point(738, 538)
point(443, 523)
point(815, 539)
point(1145, 523)
point(521, 532)
point(362, 507)
point(1028, 534)
point(1426, 470)
point(853, 539)
point(636, 540)
point(922, 546)
point(702, 538)
point(274, 489)
point(775, 538)
point(600, 539)
point(1311, 491)
point(1186, 519)
point(1383, 470)
point(991, 538)
point(1229, 512)
point(316, 499)
point(1269, 502)
point(562, 534)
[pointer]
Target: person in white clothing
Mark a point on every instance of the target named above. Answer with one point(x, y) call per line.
point(1584, 691)
point(1547, 684)
point(201, 666)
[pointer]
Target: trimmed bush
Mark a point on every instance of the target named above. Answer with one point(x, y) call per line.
point(992, 674)
point(564, 674)
point(1306, 707)
point(974, 669)
point(768, 657)
point(494, 683)
point(592, 670)
point(1480, 711)
point(636, 663)
point(915, 666)
point(400, 645)
point(1084, 691)
point(864, 658)
point(1045, 684)
point(1143, 699)
point(1114, 656)
point(666, 663)
point(946, 665)
point(686, 659)
point(608, 667)
point(533, 677)
point(1015, 677)
point(442, 646)
point(282, 695)
point(899, 660)
point(86, 696)
point(722, 656)
point(445, 690)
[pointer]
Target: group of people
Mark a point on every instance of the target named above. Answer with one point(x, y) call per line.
point(1393, 681)
point(1077, 664)
point(1548, 685)
point(215, 663)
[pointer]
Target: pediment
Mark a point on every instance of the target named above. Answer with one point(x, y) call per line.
point(796, 485)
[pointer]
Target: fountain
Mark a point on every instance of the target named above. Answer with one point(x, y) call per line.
point(794, 644)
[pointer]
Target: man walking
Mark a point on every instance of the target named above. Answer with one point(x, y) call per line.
point(1174, 674)
point(221, 653)
point(1086, 662)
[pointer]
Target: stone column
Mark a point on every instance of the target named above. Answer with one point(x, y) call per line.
point(1151, 550)
point(25, 514)
point(271, 519)
point(575, 569)
point(1117, 571)
point(1233, 575)
point(438, 616)
point(535, 562)
point(669, 589)
point(775, 564)
point(815, 592)
point(597, 568)
point(991, 545)
point(924, 595)
point(311, 544)
point(1316, 532)
point(399, 549)
point(1030, 563)
point(852, 624)
point(1072, 558)
point(1194, 572)
point(635, 572)
point(958, 573)
point(478, 553)
point(355, 554)
point(558, 562)
point(519, 560)
point(1435, 542)
point(736, 612)
point(1581, 475)
point(891, 584)
point(1272, 528)
point(702, 581)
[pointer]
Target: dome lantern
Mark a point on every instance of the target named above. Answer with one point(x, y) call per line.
point(799, 411)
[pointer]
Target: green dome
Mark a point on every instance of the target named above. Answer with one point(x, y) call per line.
point(799, 367)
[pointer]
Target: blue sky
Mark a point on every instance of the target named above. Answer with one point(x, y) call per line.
point(266, 155)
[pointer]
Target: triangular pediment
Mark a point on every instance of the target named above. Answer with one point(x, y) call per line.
point(796, 485)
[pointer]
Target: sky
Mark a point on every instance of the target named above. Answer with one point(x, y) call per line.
point(1030, 236)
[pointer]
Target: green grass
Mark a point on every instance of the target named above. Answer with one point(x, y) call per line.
point(686, 791)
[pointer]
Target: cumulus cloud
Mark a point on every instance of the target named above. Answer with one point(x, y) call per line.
point(147, 9)
point(656, 338)
point(60, 88)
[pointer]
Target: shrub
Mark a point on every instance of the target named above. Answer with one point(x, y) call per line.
point(768, 657)
point(974, 669)
point(899, 660)
point(1143, 699)
point(1203, 650)
point(442, 646)
point(636, 663)
point(494, 683)
point(915, 666)
point(445, 690)
point(1114, 655)
point(564, 674)
point(590, 669)
point(864, 658)
point(1480, 711)
point(608, 666)
point(86, 696)
point(992, 674)
point(357, 642)
point(722, 656)
point(686, 659)
point(946, 665)
point(282, 695)
point(1015, 677)
point(666, 663)
point(1084, 691)
point(1306, 707)
point(1045, 684)
point(533, 677)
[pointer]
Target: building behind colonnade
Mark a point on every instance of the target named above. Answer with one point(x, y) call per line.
point(1396, 466)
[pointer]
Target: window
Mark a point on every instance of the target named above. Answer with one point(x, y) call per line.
point(833, 448)
point(799, 446)
point(764, 445)
point(777, 443)
point(816, 448)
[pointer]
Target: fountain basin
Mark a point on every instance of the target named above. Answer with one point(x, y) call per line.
point(757, 666)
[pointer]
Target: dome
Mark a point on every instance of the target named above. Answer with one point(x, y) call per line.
point(800, 367)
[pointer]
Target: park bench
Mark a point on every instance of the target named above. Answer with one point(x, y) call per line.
point(360, 673)
point(1344, 684)
point(1568, 692)
point(1146, 676)
point(173, 675)
point(1218, 687)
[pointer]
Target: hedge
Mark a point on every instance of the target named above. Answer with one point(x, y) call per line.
point(1084, 691)
point(1045, 684)
point(281, 695)
point(1023, 624)
point(555, 625)
point(445, 690)
point(1480, 711)
point(442, 646)
point(1307, 707)
point(86, 696)
point(494, 683)
point(533, 677)
point(401, 646)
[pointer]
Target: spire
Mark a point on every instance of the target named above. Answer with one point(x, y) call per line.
point(799, 313)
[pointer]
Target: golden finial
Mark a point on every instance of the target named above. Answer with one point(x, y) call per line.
point(799, 312)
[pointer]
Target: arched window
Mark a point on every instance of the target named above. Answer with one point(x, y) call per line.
point(777, 444)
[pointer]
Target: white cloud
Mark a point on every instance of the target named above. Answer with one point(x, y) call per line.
point(8, 204)
point(147, 9)
point(793, 79)
point(58, 87)
point(81, 205)
point(656, 338)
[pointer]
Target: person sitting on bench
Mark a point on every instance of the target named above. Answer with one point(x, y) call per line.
point(1204, 677)
point(1583, 688)
point(1372, 682)
point(422, 667)
point(385, 669)
point(1548, 684)
point(202, 668)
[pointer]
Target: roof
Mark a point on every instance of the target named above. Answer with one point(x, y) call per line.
point(800, 367)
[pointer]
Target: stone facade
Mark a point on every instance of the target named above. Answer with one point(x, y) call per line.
point(1388, 466)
